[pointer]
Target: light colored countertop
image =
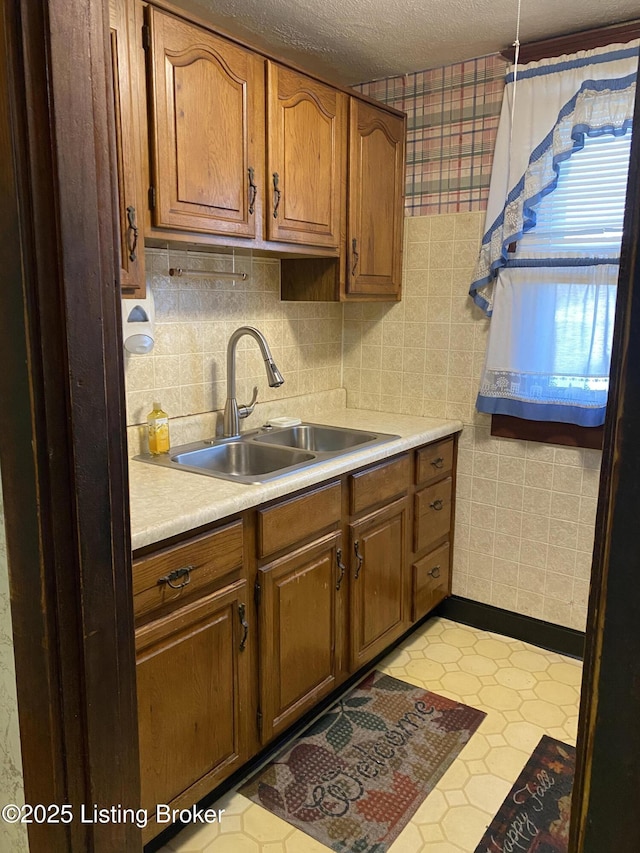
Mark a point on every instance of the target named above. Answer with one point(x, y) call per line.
point(165, 503)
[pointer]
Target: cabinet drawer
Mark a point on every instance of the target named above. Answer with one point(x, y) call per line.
point(296, 519)
point(432, 514)
point(434, 461)
point(379, 484)
point(158, 579)
point(430, 579)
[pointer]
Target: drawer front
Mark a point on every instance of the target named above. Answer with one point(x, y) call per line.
point(379, 484)
point(296, 519)
point(434, 461)
point(184, 569)
point(430, 578)
point(432, 517)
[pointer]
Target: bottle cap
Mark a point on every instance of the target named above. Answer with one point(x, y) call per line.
point(156, 405)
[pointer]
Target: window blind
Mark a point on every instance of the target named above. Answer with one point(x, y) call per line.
point(584, 214)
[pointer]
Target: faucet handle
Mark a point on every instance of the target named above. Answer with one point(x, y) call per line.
point(245, 411)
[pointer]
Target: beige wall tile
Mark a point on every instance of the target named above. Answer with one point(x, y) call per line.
point(542, 497)
point(195, 316)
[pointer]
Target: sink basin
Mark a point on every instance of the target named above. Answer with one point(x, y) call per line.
point(325, 439)
point(242, 460)
point(262, 455)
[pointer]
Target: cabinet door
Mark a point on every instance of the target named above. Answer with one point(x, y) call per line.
point(298, 631)
point(130, 193)
point(207, 129)
point(376, 196)
point(192, 677)
point(379, 581)
point(306, 159)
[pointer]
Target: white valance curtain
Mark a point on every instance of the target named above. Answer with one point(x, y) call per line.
point(528, 372)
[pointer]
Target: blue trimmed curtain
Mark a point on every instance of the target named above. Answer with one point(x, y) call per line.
point(552, 303)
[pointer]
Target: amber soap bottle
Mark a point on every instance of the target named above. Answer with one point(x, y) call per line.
point(158, 427)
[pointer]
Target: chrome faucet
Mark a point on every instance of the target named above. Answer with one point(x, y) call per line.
point(232, 411)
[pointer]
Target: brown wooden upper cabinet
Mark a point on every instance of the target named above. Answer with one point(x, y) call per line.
point(130, 193)
point(376, 193)
point(207, 137)
point(306, 155)
point(229, 147)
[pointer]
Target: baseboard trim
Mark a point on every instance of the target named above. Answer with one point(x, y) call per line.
point(486, 617)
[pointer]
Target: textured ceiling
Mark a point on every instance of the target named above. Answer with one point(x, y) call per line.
point(353, 41)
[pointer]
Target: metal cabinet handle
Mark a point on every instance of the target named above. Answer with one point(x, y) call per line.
point(359, 558)
point(176, 574)
point(435, 572)
point(245, 626)
point(132, 233)
point(437, 504)
point(277, 194)
point(356, 256)
point(437, 463)
point(341, 568)
point(253, 190)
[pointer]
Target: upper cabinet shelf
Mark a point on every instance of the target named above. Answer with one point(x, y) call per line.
point(242, 150)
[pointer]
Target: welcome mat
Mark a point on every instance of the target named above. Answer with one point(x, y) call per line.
point(534, 818)
point(355, 778)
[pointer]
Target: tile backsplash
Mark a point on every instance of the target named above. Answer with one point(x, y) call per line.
point(195, 316)
point(525, 512)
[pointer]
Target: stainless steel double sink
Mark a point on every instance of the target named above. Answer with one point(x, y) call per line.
point(261, 455)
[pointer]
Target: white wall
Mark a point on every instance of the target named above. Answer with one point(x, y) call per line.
point(13, 837)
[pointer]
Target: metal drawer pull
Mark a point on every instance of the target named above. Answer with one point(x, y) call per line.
point(341, 566)
point(359, 557)
point(132, 234)
point(437, 504)
point(355, 255)
point(253, 190)
point(176, 574)
point(435, 572)
point(437, 463)
point(277, 193)
point(245, 625)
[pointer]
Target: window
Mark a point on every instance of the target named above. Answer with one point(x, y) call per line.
point(554, 304)
point(549, 261)
point(586, 210)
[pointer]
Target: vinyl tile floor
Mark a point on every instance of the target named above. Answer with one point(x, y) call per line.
point(526, 692)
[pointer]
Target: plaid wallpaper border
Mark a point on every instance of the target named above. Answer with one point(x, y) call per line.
point(452, 120)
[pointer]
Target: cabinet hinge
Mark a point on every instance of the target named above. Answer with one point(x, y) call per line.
point(259, 721)
point(146, 37)
point(152, 198)
point(257, 593)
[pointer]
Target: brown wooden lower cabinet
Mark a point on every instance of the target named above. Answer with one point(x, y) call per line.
point(283, 603)
point(192, 691)
point(378, 580)
point(298, 632)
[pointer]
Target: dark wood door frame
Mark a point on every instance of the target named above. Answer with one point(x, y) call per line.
point(62, 424)
point(63, 460)
point(607, 789)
